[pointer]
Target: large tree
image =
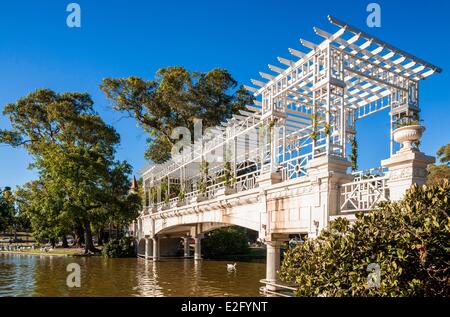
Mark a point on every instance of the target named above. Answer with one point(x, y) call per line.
point(174, 99)
point(444, 154)
point(74, 153)
point(6, 209)
point(437, 173)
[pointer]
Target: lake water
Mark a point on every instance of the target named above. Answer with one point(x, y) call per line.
point(29, 275)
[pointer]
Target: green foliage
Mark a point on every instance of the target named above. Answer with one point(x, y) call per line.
point(80, 182)
point(175, 190)
point(439, 173)
point(154, 195)
point(225, 241)
point(444, 154)
point(409, 240)
point(315, 122)
point(164, 187)
point(6, 209)
point(407, 119)
point(12, 218)
point(354, 153)
point(227, 177)
point(204, 167)
point(327, 129)
point(174, 99)
point(408, 123)
point(120, 248)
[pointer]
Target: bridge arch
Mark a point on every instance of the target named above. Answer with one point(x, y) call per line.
point(196, 228)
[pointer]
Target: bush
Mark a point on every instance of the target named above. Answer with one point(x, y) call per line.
point(225, 241)
point(120, 248)
point(408, 240)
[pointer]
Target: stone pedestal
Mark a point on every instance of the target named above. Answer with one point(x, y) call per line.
point(226, 191)
point(326, 174)
point(329, 166)
point(268, 179)
point(407, 167)
point(272, 263)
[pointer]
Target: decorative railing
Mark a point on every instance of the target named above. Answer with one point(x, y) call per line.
point(363, 194)
point(243, 183)
point(370, 173)
point(247, 181)
point(295, 167)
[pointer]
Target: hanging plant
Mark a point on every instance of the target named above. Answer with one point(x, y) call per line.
point(272, 123)
point(407, 120)
point(181, 196)
point(354, 154)
point(314, 135)
point(327, 129)
point(227, 177)
point(153, 194)
point(202, 187)
point(204, 177)
point(205, 168)
point(175, 189)
point(164, 186)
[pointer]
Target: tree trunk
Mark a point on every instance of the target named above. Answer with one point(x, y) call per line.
point(53, 242)
point(79, 236)
point(101, 237)
point(89, 244)
point(64, 241)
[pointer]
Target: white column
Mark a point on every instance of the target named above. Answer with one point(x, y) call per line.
point(272, 263)
point(155, 249)
point(186, 247)
point(148, 248)
point(198, 247)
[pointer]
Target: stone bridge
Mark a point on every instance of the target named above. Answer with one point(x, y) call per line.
point(281, 167)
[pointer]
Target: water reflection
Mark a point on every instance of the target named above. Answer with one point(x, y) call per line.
point(25, 275)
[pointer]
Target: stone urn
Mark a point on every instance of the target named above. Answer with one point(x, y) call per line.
point(407, 135)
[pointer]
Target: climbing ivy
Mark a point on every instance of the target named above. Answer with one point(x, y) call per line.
point(204, 168)
point(354, 153)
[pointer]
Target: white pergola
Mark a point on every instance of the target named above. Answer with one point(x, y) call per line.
point(306, 107)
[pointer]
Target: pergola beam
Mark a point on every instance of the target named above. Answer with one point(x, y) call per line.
point(383, 43)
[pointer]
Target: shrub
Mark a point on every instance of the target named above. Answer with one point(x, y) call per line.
point(225, 241)
point(408, 240)
point(120, 248)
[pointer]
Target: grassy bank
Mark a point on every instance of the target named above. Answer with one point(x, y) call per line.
point(57, 251)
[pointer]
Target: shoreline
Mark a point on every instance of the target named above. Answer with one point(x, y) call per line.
point(56, 252)
point(33, 253)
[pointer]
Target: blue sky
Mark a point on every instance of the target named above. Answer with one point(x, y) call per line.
point(120, 38)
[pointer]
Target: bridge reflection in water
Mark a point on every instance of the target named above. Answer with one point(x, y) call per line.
point(25, 275)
